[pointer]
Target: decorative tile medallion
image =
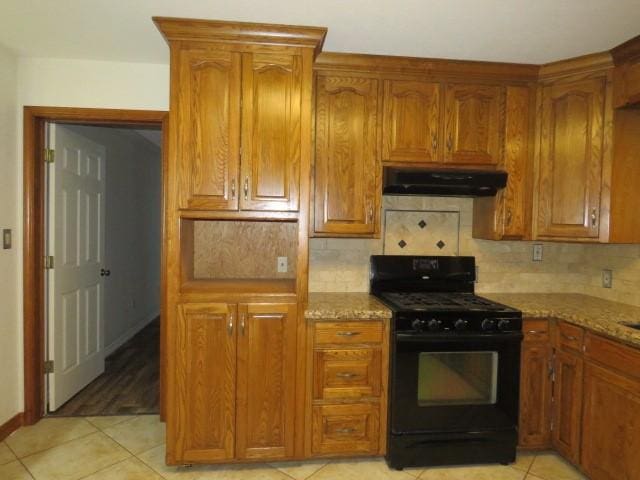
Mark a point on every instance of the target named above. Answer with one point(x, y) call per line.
point(406, 232)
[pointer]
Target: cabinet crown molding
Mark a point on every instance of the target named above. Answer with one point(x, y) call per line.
point(594, 62)
point(187, 29)
point(627, 51)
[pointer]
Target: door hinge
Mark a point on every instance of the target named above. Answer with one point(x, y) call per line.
point(48, 262)
point(49, 155)
point(48, 366)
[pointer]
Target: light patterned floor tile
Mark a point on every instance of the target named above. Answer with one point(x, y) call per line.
point(109, 420)
point(141, 433)
point(475, 472)
point(6, 455)
point(550, 466)
point(369, 469)
point(300, 470)
point(129, 469)
point(76, 459)
point(14, 471)
point(523, 461)
point(155, 459)
point(531, 476)
point(47, 433)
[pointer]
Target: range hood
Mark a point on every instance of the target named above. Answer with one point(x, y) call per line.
point(444, 183)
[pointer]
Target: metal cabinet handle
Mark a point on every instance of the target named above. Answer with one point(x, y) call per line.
point(243, 318)
point(535, 332)
point(370, 213)
point(246, 188)
point(347, 334)
point(230, 325)
point(594, 218)
point(449, 143)
point(569, 337)
point(345, 430)
point(434, 143)
point(346, 375)
point(509, 217)
point(233, 188)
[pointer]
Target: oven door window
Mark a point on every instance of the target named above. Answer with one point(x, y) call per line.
point(457, 378)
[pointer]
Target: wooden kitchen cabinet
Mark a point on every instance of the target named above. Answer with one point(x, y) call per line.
point(626, 75)
point(411, 121)
point(535, 386)
point(473, 124)
point(235, 391)
point(567, 405)
point(570, 171)
point(347, 166)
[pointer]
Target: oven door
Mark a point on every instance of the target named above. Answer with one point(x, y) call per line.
point(455, 382)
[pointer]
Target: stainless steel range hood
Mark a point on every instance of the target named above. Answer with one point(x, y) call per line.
point(444, 183)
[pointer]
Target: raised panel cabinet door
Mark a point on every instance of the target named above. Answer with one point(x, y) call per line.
point(271, 135)
point(208, 128)
point(266, 380)
point(202, 426)
point(535, 396)
point(346, 161)
point(571, 158)
point(473, 124)
point(411, 121)
point(567, 405)
point(611, 425)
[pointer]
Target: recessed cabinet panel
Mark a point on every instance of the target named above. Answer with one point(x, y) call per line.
point(208, 107)
point(271, 131)
point(571, 159)
point(474, 118)
point(535, 396)
point(346, 165)
point(411, 121)
point(205, 388)
point(567, 410)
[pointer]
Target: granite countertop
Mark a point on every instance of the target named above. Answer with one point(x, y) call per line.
point(596, 314)
point(345, 306)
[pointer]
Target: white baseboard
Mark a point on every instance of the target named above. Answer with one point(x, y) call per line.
point(122, 339)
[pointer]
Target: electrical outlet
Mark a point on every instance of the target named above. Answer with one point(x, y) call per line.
point(607, 278)
point(282, 265)
point(6, 238)
point(537, 252)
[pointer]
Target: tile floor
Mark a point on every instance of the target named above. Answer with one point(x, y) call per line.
point(132, 448)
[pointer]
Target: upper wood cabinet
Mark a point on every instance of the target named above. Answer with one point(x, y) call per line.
point(347, 167)
point(473, 124)
point(571, 159)
point(411, 121)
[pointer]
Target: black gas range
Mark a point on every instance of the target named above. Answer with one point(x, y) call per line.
point(455, 363)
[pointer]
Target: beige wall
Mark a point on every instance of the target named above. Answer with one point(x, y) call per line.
point(10, 328)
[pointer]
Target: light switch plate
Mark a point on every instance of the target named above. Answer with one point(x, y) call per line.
point(6, 238)
point(607, 278)
point(537, 252)
point(282, 265)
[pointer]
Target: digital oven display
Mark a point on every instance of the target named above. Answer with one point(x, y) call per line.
point(425, 264)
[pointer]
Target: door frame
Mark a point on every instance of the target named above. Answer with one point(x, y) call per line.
point(34, 333)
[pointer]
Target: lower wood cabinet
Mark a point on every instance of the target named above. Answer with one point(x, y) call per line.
point(234, 389)
point(567, 405)
point(346, 429)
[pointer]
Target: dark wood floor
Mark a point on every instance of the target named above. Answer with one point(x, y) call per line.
point(130, 383)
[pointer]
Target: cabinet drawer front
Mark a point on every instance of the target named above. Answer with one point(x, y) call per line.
point(612, 354)
point(535, 330)
point(570, 337)
point(348, 332)
point(345, 429)
point(346, 373)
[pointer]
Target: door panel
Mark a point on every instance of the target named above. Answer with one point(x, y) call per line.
point(535, 396)
point(266, 380)
point(76, 240)
point(271, 138)
point(570, 173)
point(205, 403)
point(346, 165)
point(474, 118)
point(208, 129)
point(411, 121)
point(567, 410)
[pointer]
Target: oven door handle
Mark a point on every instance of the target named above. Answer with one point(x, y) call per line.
point(434, 339)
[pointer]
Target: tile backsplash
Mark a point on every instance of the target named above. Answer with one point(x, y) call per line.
point(342, 265)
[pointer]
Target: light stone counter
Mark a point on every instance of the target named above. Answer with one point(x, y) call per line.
point(595, 314)
point(345, 306)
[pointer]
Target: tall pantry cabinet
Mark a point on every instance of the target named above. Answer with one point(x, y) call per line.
point(236, 183)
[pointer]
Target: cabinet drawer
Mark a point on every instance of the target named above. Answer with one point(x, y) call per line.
point(345, 429)
point(613, 354)
point(348, 332)
point(346, 373)
point(535, 330)
point(570, 337)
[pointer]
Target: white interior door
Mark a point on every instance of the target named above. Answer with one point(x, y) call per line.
point(76, 220)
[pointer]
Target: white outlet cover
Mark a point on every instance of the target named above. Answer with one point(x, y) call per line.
point(537, 252)
point(282, 265)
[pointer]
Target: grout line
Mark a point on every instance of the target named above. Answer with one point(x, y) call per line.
point(104, 468)
point(56, 445)
point(102, 429)
point(27, 469)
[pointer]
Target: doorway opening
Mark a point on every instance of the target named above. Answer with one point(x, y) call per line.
point(81, 248)
point(103, 240)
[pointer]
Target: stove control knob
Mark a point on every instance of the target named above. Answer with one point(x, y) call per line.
point(488, 324)
point(461, 324)
point(434, 325)
point(504, 324)
point(417, 325)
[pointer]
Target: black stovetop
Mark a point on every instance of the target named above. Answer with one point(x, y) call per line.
point(441, 302)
